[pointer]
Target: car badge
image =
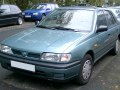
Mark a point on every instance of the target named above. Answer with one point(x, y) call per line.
point(24, 54)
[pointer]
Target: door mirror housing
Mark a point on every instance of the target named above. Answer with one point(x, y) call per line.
point(47, 9)
point(102, 28)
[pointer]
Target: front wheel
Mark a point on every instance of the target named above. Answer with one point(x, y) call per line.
point(43, 16)
point(85, 70)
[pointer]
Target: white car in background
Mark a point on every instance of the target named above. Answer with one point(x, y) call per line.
point(116, 11)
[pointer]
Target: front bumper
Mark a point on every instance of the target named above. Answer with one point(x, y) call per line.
point(33, 17)
point(50, 71)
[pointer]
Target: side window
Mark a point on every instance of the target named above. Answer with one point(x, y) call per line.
point(52, 6)
point(118, 13)
point(6, 8)
point(49, 6)
point(101, 19)
point(111, 19)
point(14, 8)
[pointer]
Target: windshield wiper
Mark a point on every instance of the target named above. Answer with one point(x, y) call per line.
point(41, 26)
point(62, 28)
point(58, 27)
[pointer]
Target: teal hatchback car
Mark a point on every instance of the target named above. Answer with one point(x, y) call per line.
point(64, 45)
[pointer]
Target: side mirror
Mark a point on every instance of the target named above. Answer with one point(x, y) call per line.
point(37, 23)
point(47, 9)
point(102, 28)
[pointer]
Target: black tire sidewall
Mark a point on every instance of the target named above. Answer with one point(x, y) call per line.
point(116, 51)
point(80, 79)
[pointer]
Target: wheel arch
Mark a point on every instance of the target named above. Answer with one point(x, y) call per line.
point(91, 53)
point(43, 14)
point(20, 15)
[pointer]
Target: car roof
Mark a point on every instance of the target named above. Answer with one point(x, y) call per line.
point(44, 3)
point(8, 4)
point(112, 8)
point(81, 8)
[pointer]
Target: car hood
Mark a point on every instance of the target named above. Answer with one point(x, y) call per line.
point(43, 40)
point(33, 10)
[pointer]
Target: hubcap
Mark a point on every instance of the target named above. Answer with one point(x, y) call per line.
point(43, 16)
point(20, 20)
point(86, 69)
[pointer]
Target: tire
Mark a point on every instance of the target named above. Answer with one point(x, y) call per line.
point(19, 21)
point(115, 50)
point(85, 70)
point(43, 16)
point(37, 23)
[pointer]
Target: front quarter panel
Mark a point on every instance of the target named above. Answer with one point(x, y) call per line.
point(81, 47)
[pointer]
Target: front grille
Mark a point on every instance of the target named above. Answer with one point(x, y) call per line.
point(26, 54)
point(28, 13)
point(16, 52)
point(34, 55)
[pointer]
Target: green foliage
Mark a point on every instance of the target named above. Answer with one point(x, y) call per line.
point(25, 4)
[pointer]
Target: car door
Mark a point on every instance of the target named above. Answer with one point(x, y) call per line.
point(112, 28)
point(5, 15)
point(15, 13)
point(1, 16)
point(102, 38)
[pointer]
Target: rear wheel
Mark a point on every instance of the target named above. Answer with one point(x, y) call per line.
point(19, 21)
point(85, 70)
point(115, 50)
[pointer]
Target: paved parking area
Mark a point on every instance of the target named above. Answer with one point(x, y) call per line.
point(106, 72)
point(16, 27)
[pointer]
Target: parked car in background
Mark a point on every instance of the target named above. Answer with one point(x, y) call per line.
point(84, 4)
point(64, 45)
point(116, 11)
point(39, 11)
point(10, 14)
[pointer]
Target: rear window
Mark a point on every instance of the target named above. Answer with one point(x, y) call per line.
point(14, 8)
point(42, 6)
point(116, 12)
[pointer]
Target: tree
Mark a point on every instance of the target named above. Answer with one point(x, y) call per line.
point(23, 4)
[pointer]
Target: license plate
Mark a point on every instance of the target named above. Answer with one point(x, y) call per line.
point(23, 66)
point(28, 16)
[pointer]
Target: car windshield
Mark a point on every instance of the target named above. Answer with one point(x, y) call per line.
point(38, 7)
point(77, 20)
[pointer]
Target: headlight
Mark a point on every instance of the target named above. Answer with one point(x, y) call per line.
point(5, 49)
point(35, 13)
point(23, 13)
point(56, 57)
